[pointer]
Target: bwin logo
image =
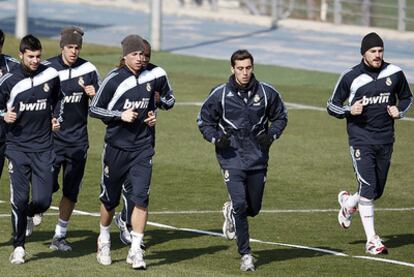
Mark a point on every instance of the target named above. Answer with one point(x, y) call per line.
point(40, 105)
point(379, 99)
point(74, 98)
point(142, 104)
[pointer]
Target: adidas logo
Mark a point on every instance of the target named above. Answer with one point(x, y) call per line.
point(230, 94)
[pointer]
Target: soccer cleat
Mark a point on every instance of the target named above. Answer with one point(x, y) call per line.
point(37, 219)
point(18, 255)
point(124, 234)
point(136, 259)
point(344, 215)
point(229, 230)
point(29, 226)
point(375, 246)
point(103, 254)
point(246, 263)
point(60, 244)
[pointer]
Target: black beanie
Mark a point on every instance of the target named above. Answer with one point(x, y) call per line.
point(71, 35)
point(369, 41)
point(132, 43)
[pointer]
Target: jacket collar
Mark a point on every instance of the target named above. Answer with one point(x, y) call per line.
point(250, 87)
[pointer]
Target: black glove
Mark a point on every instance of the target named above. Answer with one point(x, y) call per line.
point(264, 140)
point(223, 141)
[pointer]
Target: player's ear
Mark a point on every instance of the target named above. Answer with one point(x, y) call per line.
point(21, 55)
point(232, 69)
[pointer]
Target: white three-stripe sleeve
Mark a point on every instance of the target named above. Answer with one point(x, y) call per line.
point(340, 94)
point(210, 114)
point(99, 104)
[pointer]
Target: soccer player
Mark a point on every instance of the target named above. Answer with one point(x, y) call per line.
point(79, 81)
point(242, 118)
point(29, 93)
point(6, 64)
point(371, 96)
point(165, 100)
point(125, 103)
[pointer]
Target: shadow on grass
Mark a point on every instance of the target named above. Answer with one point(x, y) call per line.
point(178, 255)
point(159, 236)
point(156, 237)
point(276, 255)
point(83, 243)
point(393, 241)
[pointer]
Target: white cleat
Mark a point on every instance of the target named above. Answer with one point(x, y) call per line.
point(103, 255)
point(136, 259)
point(344, 215)
point(246, 263)
point(29, 226)
point(18, 255)
point(375, 246)
point(37, 219)
point(229, 229)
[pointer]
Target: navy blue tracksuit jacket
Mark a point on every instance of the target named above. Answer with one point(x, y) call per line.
point(120, 91)
point(33, 97)
point(245, 116)
point(74, 104)
point(162, 85)
point(386, 86)
point(7, 63)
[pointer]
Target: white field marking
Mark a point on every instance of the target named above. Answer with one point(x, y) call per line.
point(76, 211)
point(252, 240)
point(283, 211)
point(384, 260)
point(219, 212)
point(262, 242)
point(288, 104)
point(8, 215)
point(1, 201)
point(262, 211)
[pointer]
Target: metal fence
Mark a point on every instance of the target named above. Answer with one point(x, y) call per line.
point(393, 14)
point(398, 14)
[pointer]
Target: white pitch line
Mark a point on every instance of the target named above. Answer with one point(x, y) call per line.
point(219, 212)
point(335, 253)
point(384, 260)
point(252, 240)
point(262, 211)
point(283, 211)
point(9, 215)
point(76, 211)
point(288, 104)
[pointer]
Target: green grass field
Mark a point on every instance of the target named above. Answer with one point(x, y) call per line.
point(309, 165)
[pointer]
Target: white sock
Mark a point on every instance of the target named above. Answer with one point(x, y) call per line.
point(104, 234)
point(61, 228)
point(352, 202)
point(136, 241)
point(366, 211)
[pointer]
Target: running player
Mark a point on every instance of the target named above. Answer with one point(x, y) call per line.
point(371, 96)
point(79, 80)
point(30, 94)
point(165, 100)
point(242, 118)
point(125, 103)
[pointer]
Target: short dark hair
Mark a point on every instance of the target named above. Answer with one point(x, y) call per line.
point(30, 42)
point(240, 55)
point(1, 37)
